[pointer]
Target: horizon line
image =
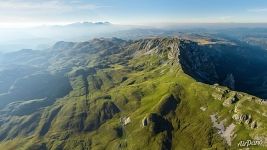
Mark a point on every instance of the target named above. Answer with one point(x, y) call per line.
point(155, 24)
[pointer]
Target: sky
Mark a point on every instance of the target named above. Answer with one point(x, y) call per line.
point(20, 13)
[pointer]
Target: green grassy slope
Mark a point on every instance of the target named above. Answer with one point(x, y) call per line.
point(167, 109)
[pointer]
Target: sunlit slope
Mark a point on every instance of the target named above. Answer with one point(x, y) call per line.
point(134, 96)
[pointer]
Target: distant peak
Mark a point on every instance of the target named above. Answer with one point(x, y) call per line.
point(89, 23)
point(106, 23)
point(61, 45)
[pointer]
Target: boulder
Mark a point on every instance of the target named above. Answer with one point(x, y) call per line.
point(230, 100)
point(253, 125)
point(125, 120)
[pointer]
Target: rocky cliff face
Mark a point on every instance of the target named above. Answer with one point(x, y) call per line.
point(234, 66)
point(189, 55)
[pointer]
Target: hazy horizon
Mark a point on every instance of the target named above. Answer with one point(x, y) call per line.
point(35, 24)
point(17, 13)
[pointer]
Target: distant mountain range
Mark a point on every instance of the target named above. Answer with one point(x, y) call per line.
point(43, 37)
point(85, 24)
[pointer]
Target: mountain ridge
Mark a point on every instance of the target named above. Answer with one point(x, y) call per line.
point(157, 84)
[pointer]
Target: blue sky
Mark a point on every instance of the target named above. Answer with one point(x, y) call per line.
point(18, 12)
